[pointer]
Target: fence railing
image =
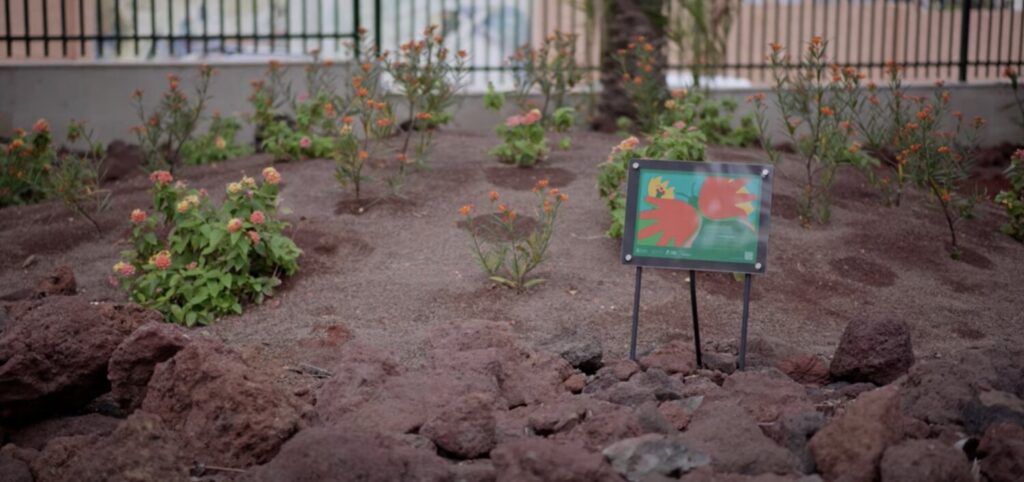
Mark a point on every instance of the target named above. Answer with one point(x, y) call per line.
point(932, 39)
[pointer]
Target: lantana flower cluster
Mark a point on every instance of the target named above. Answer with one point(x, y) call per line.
point(200, 261)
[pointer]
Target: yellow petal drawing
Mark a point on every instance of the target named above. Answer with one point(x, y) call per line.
point(659, 188)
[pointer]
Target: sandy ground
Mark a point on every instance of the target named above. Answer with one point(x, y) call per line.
point(387, 275)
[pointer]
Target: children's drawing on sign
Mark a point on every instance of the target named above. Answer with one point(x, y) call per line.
point(712, 217)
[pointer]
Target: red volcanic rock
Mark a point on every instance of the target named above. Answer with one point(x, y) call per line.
point(132, 363)
point(54, 353)
point(464, 428)
point(873, 351)
point(339, 453)
point(543, 460)
point(924, 461)
point(807, 369)
point(852, 444)
point(59, 283)
point(227, 413)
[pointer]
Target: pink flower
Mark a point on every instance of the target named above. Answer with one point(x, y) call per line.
point(254, 237)
point(162, 260)
point(679, 125)
point(256, 217)
point(629, 144)
point(305, 142)
point(192, 265)
point(41, 126)
point(161, 177)
point(513, 121)
point(234, 225)
point(532, 117)
point(138, 216)
point(124, 269)
point(1018, 155)
point(271, 176)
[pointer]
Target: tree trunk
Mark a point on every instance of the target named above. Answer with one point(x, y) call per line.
point(624, 20)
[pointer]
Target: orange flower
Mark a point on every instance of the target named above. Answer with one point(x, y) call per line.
point(234, 225)
point(346, 120)
point(161, 260)
point(124, 269)
point(254, 237)
point(548, 207)
point(776, 47)
point(257, 217)
point(943, 149)
point(502, 208)
point(854, 148)
point(493, 196)
point(363, 155)
point(385, 122)
point(563, 197)
point(510, 215)
point(826, 111)
point(161, 177)
point(41, 126)
point(541, 184)
point(271, 176)
point(138, 216)
point(424, 116)
point(466, 209)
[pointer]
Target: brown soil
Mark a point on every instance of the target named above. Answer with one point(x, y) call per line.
point(387, 275)
point(524, 179)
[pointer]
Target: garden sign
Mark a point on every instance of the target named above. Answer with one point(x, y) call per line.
point(698, 216)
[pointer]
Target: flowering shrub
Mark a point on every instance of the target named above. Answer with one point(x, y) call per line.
point(205, 261)
point(427, 77)
point(810, 98)
point(939, 160)
point(218, 144)
point(679, 143)
point(75, 177)
point(562, 121)
point(310, 136)
point(503, 253)
point(269, 96)
point(525, 142)
point(1013, 200)
point(170, 125)
point(24, 163)
point(550, 70)
point(712, 117)
point(645, 88)
point(1018, 100)
point(354, 148)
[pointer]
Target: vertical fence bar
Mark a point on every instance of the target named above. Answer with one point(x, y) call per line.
point(135, 27)
point(7, 28)
point(152, 28)
point(205, 14)
point(965, 32)
point(378, 37)
point(999, 44)
point(117, 27)
point(238, 26)
point(46, 28)
point(27, 36)
point(221, 37)
point(255, 26)
point(357, 24)
point(64, 28)
point(272, 7)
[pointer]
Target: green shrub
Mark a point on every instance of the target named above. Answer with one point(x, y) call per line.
point(506, 255)
point(673, 144)
point(202, 262)
point(1013, 200)
point(524, 141)
point(218, 144)
point(164, 132)
point(24, 163)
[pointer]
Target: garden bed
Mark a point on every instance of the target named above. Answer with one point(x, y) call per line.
point(402, 267)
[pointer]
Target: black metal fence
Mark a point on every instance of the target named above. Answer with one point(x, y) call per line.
point(932, 39)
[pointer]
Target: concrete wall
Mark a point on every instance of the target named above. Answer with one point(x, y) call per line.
point(99, 94)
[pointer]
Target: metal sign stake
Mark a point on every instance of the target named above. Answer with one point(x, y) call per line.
point(742, 363)
point(636, 313)
point(696, 324)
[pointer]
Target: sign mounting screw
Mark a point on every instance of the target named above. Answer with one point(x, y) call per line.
point(636, 165)
point(764, 173)
point(629, 257)
point(757, 266)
